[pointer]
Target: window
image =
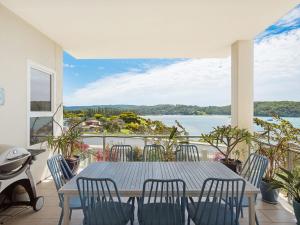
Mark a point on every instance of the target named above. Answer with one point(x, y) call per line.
point(39, 128)
point(40, 103)
point(40, 91)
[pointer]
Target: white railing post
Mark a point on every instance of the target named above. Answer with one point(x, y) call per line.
point(103, 144)
point(204, 155)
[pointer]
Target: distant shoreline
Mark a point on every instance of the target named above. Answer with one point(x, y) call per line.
point(264, 109)
point(214, 115)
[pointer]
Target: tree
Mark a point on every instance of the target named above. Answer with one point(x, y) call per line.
point(129, 117)
point(98, 116)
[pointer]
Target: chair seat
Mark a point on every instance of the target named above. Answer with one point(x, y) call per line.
point(110, 214)
point(210, 214)
point(160, 213)
point(74, 203)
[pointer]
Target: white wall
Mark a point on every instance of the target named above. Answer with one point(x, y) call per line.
point(19, 43)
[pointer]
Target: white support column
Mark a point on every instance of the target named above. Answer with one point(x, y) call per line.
point(242, 89)
point(242, 84)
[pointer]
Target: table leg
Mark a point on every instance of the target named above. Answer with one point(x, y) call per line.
point(66, 220)
point(251, 200)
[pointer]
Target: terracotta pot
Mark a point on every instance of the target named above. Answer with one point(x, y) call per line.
point(73, 163)
point(234, 165)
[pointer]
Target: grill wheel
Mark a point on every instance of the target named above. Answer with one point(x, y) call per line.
point(38, 203)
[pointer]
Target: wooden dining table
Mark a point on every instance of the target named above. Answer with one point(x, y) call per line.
point(130, 176)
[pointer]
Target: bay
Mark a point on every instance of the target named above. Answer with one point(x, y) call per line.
point(195, 125)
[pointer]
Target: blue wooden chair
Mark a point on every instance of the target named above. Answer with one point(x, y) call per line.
point(153, 153)
point(253, 171)
point(212, 206)
point(162, 202)
point(61, 173)
point(100, 207)
point(121, 153)
point(186, 152)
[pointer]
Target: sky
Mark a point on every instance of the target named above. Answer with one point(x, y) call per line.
point(200, 82)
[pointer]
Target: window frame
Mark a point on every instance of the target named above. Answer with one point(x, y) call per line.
point(30, 114)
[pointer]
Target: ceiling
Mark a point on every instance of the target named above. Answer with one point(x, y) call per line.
point(149, 28)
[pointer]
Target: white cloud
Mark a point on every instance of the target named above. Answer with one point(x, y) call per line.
point(193, 81)
point(201, 81)
point(277, 67)
point(290, 18)
point(66, 65)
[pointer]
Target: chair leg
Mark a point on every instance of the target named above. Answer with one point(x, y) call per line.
point(256, 219)
point(132, 199)
point(70, 214)
point(131, 221)
point(242, 212)
point(189, 220)
point(61, 217)
point(192, 200)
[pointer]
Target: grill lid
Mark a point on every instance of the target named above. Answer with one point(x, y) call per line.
point(12, 158)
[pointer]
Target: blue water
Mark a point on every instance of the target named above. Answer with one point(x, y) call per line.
point(196, 125)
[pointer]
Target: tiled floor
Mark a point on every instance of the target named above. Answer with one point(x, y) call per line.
point(267, 214)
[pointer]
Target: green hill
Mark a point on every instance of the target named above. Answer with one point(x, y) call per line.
point(281, 108)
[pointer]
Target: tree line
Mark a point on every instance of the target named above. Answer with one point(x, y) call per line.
point(280, 108)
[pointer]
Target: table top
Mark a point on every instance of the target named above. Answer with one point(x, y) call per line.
point(130, 176)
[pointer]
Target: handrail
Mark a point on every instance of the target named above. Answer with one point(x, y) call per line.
point(142, 136)
point(293, 147)
point(138, 135)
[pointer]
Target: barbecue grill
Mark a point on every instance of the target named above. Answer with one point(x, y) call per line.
point(15, 171)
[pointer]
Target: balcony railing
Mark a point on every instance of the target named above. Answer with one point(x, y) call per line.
point(100, 142)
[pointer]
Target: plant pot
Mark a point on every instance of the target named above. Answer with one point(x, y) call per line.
point(296, 206)
point(73, 163)
point(234, 165)
point(268, 194)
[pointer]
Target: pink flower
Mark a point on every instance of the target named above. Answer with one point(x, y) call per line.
point(81, 146)
point(99, 155)
point(217, 156)
point(84, 147)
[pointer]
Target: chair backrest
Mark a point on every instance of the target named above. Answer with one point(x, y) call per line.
point(187, 152)
point(166, 196)
point(215, 205)
point(101, 202)
point(153, 153)
point(255, 168)
point(121, 153)
point(60, 171)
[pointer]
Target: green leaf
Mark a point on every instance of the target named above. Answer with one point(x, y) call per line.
point(284, 178)
point(297, 185)
point(290, 175)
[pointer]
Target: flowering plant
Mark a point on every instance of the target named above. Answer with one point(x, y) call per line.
point(81, 149)
point(102, 154)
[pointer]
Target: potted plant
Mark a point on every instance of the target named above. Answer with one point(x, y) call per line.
point(177, 136)
point(226, 139)
point(290, 182)
point(137, 154)
point(273, 142)
point(69, 143)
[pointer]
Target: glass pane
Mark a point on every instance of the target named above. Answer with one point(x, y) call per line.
point(40, 128)
point(40, 91)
